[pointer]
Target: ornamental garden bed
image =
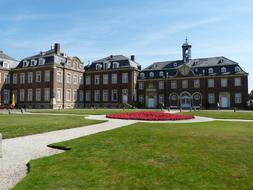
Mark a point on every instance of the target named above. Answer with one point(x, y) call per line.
point(150, 116)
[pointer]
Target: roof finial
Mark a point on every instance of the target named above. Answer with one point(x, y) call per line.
point(186, 40)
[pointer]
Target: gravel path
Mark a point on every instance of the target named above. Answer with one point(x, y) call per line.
point(17, 152)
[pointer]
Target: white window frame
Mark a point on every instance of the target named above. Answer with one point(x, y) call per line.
point(238, 81)
point(184, 84)
point(114, 78)
point(196, 83)
point(105, 79)
point(47, 76)
point(161, 85)
point(124, 78)
point(238, 98)
point(47, 94)
point(173, 84)
point(211, 98)
point(210, 83)
point(114, 91)
point(38, 94)
point(21, 95)
point(97, 95)
point(30, 77)
point(97, 79)
point(29, 95)
point(105, 95)
point(87, 80)
point(38, 76)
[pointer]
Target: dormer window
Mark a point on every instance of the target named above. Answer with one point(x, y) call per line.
point(161, 74)
point(142, 75)
point(223, 69)
point(33, 63)
point(25, 63)
point(151, 74)
point(6, 65)
point(210, 70)
point(41, 61)
point(98, 67)
point(106, 66)
point(237, 69)
point(115, 65)
point(175, 64)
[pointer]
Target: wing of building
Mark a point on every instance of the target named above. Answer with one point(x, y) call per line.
point(193, 83)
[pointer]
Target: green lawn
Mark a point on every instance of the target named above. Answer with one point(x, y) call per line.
point(223, 114)
point(201, 156)
point(87, 111)
point(21, 125)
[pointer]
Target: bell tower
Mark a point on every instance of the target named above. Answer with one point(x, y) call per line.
point(186, 50)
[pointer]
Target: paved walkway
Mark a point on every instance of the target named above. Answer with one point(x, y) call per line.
point(17, 152)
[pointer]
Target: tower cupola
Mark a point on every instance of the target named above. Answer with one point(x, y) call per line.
point(186, 51)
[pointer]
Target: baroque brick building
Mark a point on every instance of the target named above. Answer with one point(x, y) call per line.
point(193, 83)
point(111, 81)
point(51, 79)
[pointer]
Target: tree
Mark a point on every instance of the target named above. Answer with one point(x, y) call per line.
point(251, 95)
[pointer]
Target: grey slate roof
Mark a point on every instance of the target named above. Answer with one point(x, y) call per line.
point(4, 56)
point(199, 66)
point(124, 62)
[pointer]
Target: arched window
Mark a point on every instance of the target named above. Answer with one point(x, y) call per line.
point(98, 67)
point(210, 70)
point(237, 69)
point(115, 65)
point(106, 66)
point(223, 69)
point(151, 74)
point(161, 74)
point(142, 75)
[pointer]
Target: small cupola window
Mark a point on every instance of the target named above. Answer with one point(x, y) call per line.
point(223, 69)
point(151, 74)
point(210, 70)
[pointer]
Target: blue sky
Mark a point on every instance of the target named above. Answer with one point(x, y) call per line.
point(152, 30)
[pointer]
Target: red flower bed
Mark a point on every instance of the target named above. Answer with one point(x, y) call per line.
point(150, 116)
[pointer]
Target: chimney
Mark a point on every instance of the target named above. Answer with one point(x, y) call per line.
point(57, 48)
point(132, 58)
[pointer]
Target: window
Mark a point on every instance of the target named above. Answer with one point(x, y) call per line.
point(161, 85)
point(47, 94)
point(87, 96)
point(238, 81)
point(211, 99)
point(87, 80)
point(98, 67)
point(68, 78)
point(6, 78)
point(210, 70)
point(106, 66)
point(6, 65)
point(33, 63)
point(237, 69)
point(75, 80)
point(141, 99)
point(174, 97)
point(38, 94)
point(6, 96)
point(74, 95)
point(22, 78)
point(25, 63)
point(81, 95)
point(81, 79)
point(151, 74)
point(105, 79)
point(114, 78)
point(38, 76)
point(115, 65)
point(124, 77)
point(59, 76)
point(175, 64)
point(30, 77)
point(238, 98)
point(142, 75)
point(223, 69)
point(47, 76)
point(161, 99)
point(22, 95)
point(114, 95)
point(97, 96)
point(196, 83)
point(224, 82)
point(14, 80)
point(161, 74)
point(41, 61)
point(105, 95)
point(173, 84)
point(97, 79)
point(210, 83)
point(68, 94)
point(29, 95)
point(184, 83)
point(59, 94)
point(141, 85)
